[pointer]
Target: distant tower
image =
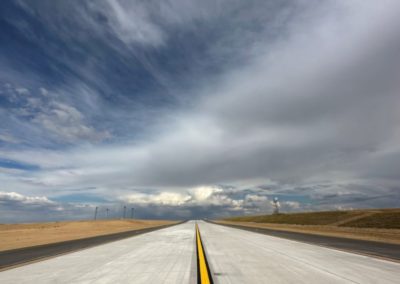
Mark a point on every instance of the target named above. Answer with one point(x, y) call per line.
point(124, 215)
point(107, 212)
point(276, 205)
point(132, 211)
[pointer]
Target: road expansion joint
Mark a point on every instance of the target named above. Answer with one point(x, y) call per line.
point(203, 269)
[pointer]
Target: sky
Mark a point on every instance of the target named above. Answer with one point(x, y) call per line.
point(197, 109)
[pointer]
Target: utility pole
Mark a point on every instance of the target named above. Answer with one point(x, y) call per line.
point(95, 213)
point(132, 210)
point(107, 212)
point(124, 215)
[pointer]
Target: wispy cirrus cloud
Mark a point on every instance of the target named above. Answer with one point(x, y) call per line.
point(46, 113)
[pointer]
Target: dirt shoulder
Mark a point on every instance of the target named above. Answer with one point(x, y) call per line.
point(391, 236)
point(15, 236)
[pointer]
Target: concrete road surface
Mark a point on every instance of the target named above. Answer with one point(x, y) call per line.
point(163, 256)
point(238, 256)
point(234, 256)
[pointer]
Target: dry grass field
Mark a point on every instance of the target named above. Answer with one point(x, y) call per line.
point(313, 218)
point(381, 225)
point(386, 220)
point(14, 236)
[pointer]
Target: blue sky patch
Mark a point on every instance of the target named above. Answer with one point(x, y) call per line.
point(10, 164)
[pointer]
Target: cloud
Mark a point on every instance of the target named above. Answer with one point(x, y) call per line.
point(66, 123)
point(25, 200)
point(203, 195)
point(163, 198)
point(51, 115)
point(200, 201)
point(22, 91)
point(217, 202)
point(131, 23)
point(296, 99)
point(16, 207)
point(8, 138)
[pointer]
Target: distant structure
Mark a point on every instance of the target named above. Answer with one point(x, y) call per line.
point(132, 211)
point(95, 213)
point(276, 205)
point(107, 212)
point(124, 214)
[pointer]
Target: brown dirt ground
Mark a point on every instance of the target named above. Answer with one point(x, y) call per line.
point(14, 236)
point(370, 234)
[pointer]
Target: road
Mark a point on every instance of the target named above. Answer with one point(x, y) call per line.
point(239, 256)
point(233, 256)
point(163, 256)
point(383, 250)
point(18, 256)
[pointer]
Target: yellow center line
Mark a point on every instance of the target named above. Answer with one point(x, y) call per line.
point(202, 263)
